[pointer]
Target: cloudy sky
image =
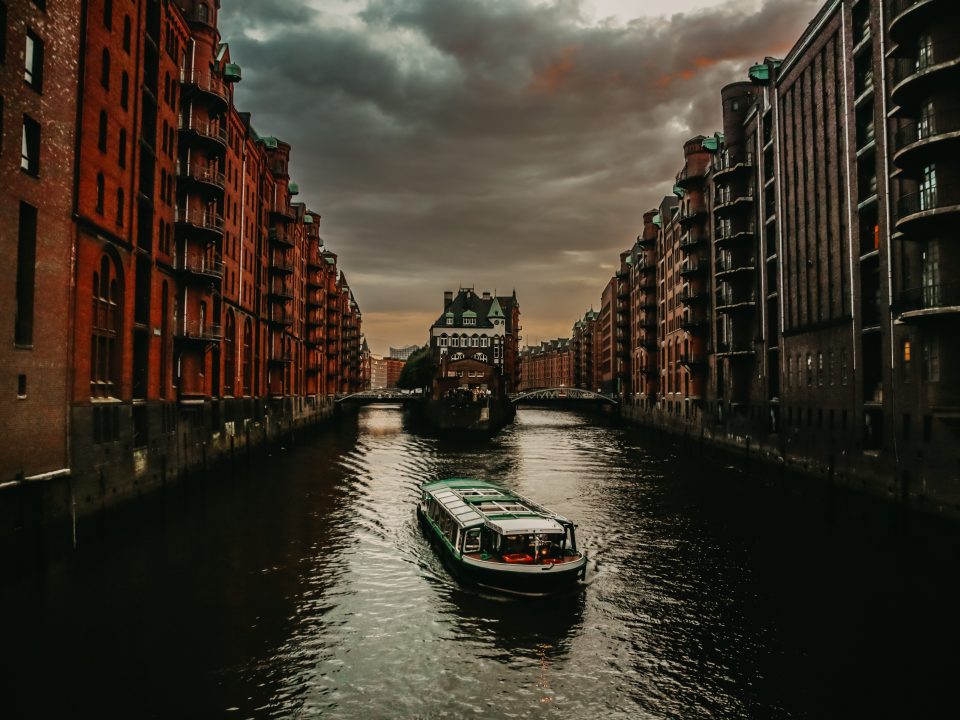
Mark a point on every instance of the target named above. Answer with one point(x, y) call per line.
point(498, 144)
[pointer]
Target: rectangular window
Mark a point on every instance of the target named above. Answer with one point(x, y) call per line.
point(26, 273)
point(30, 146)
point(33, 61)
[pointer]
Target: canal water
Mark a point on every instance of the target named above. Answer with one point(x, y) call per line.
point(300, 586)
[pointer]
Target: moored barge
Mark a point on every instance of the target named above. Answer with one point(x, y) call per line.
point(499, 540)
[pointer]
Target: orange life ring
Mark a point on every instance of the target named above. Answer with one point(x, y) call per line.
point(518, 558)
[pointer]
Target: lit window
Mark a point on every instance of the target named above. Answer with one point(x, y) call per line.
point(33, 61)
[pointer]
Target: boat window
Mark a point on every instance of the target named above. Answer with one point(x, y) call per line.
point(471, 541)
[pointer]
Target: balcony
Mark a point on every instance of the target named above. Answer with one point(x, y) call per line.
point(909, 17)
point(280, 357)
point(735, 350)
point(928, 209)
point(195, 330)
point(929, 302)
point(728, 202)
point(729, 234)
point(278, 315)
point(914, 80)
point(281, 291)
point(200, 222)
point(205, 87)
point(689, 177)
point(205, 178)
point(692, 323)
point(689, 295)
point(199, 266)
point(692, 213)
point(280, 237)
point(203, 133)
point(727, 266)
point(283, 212)
point(725, 165)
point(692, 267)
point(199, 15)
point(281, 265)
point(922, 142)
point(730, 302)
point(692, 238)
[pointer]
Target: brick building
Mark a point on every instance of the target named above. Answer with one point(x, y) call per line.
point(803, 295)
point(39, 65)
point(203, 304)
point(548, 365)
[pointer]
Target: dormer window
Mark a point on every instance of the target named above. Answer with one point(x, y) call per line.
point(469, 321)
point(449, 321)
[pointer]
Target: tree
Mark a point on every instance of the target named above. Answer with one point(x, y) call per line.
point(418, 370)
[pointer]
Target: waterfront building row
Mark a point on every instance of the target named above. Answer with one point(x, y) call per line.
point(794, 292)
point(170, 291)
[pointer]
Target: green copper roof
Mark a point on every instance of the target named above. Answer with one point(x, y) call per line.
point(330, 261)
point(269, 141)
point(657, 220)
point(469, 314)
point(293, 188)
point(308, 219)
point(448, 314)
point(629, 260)
point(495, 309)
point(678, 191)
point(711, 143)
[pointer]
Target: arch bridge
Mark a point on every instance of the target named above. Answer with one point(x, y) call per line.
point(549, 396)
point(384, 396)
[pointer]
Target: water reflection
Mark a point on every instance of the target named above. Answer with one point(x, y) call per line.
point(301, 586)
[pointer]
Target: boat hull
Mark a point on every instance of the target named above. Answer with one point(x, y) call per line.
point(452, 416)
point(518, 579)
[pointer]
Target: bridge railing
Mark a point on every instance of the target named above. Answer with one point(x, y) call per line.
point(564, 394)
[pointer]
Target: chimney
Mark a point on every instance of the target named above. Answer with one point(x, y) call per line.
point(486, 294)
point(447, 299)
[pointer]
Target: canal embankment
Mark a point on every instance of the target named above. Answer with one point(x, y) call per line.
point(796, 455)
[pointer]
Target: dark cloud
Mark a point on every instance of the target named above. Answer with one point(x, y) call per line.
point(496, 143)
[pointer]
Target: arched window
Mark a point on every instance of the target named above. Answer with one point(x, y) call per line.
point(105, 333)
point(120, 207)
point(105, 69)
point(127, 29)
point(108, 14)
point(122, 148)
point(247, 357)
point(203, 13)
point(230, 352)
point(166, 88)
point(124, 90)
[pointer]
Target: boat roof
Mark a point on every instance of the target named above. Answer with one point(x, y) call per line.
point(476, 502)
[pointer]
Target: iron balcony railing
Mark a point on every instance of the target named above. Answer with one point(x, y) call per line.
point(728, 264)
point(204, 128)
point(200, 265)
point(201, 173)
point(938, 123)
point(205, 82)
point(930, 297)
point(199, 218)
point(928, 198)
point(197, 329)
point(725, 161)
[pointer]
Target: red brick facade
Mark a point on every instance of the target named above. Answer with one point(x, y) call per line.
point(203, 306)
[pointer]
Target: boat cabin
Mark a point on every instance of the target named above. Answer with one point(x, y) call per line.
point(482, 522)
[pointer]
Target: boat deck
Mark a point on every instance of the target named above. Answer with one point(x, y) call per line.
point(484, 557)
